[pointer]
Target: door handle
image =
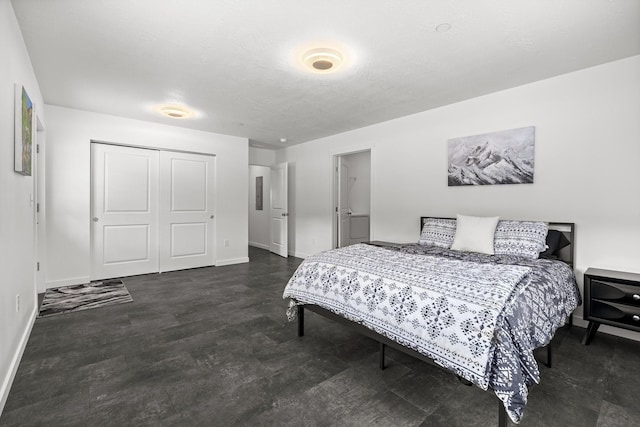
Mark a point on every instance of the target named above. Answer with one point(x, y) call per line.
point(211, 217)
point(285, 214)
point(95, 219)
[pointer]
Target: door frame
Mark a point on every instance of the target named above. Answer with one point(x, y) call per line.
point(342, 218)
point(336, 154)
point(39, 217)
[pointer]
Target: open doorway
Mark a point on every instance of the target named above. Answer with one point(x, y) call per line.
point(259, 206)
point(352, 198)
point(268, 208)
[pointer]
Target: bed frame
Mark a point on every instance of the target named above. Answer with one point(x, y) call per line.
point(566, 255)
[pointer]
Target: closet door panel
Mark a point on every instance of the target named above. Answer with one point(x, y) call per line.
point(187, 211)
point(188, 239)
point(124, 209)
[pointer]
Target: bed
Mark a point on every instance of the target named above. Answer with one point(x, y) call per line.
point(475, 296)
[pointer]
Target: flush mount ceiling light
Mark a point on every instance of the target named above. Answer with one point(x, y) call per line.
point(175, 111)
point(322, 60)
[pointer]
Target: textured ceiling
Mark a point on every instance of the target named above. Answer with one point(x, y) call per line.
point(235, 62)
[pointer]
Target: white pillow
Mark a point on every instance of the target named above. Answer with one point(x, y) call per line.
point(475, 234)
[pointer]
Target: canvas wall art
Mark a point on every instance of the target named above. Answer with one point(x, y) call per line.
point(23, 131)
point(504, 157)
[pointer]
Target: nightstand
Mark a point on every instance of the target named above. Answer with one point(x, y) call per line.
point(611, 298)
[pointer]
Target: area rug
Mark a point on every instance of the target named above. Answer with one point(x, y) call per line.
point(67, 299)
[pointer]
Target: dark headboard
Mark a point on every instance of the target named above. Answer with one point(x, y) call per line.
point(567, 254)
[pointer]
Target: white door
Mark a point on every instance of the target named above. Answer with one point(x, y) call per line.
point(279, 223)
point(187, 183)
point(344, 234)
point(124, 211)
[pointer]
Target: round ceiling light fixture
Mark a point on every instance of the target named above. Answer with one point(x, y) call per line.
point(322, 59)
point(175, 111)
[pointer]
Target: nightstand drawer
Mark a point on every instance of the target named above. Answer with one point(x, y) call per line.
point(616, 292)
point(621, 314)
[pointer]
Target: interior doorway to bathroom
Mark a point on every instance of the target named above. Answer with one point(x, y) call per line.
point(352, 198)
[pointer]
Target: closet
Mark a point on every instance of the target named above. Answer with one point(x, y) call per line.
point(151, 210)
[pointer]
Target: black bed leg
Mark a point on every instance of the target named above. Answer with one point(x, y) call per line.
point(549, 354)
point(570, 320)
point(502, 415)
point(300, 321)
point(381, 354)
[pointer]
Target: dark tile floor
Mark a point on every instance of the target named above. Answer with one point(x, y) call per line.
point(212, 346)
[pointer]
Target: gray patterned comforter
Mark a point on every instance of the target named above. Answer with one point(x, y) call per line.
point(477, 315)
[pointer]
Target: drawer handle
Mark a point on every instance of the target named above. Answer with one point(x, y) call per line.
point(636, 318)
point(636, 297)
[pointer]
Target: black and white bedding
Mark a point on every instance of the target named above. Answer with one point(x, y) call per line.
point(477, 315)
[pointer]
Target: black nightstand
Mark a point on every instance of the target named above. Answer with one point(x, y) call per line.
point(611, 298)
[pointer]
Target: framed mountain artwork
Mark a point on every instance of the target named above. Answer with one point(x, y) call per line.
point(504, 157)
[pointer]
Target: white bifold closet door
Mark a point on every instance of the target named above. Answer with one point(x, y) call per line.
point(152, 211)
point(187, 189)
point(124, 211)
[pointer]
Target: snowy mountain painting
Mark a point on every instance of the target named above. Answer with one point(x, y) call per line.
point(504, 157)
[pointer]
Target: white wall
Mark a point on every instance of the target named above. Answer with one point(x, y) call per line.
point(587, 156)
point(68, 184)
point(259, 232)
point(262, 156)
point(17, 251)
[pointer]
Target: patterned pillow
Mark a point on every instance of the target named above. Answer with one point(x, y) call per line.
point(438, 232)
point(520, 238)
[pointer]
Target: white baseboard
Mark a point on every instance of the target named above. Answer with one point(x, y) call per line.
point(15, 361)
point(259, 245)
point(68, 282)
point(231, 261)
point(298, 254)
point(266, 247)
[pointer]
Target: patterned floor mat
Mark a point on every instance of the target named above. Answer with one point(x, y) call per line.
point(67, 299)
